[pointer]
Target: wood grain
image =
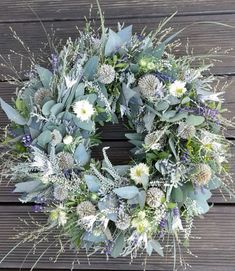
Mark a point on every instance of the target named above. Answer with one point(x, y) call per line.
point(202, 37)
point(215, 248)
point(74, 10)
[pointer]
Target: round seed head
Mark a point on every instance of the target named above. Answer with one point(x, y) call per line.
point(202, 174)
point(65, 160)
point(106, 74)
point(85, 208)
point(40, 95)
point(154, 197)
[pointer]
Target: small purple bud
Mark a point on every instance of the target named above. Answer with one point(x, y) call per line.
point(176, 212)
point(37, 208)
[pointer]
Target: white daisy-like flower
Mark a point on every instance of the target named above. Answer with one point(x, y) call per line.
point(139, 173)
point(68, 139)
point(84, 110)
point(106, 74)
point(177, 88)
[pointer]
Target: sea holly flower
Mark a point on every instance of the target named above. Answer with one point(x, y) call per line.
point(40, 96)
point(150, 86)
point(202, 174)
point(177, 88)
point(85, 208)
point(65, 160)
point(154, 197)
point(186, 131)
point(140, 173)
point(106, 74)
point(84, 110)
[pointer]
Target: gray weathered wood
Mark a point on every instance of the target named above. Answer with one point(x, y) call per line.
point(73, 10)
point(215, 248)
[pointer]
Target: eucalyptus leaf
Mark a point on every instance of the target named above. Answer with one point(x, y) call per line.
point(81, 155)
point(141, 198)
point(44, 138)
point(195, 120)
point(91, 67)
point(125, 34)
point(157, 247)
point(113, 43)
point(92, 182)
point(162, 105)
point(12, 114)
point(79, 90)
point(177, 194)
point(27, 187)
point(126, 192)
point(118, 245)
point(56, 109)
point(45, 76)
point(46, 109)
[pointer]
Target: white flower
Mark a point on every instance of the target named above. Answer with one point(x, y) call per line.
point(177, 224)
point(177, 88)
point(84, 110)
point(62, 218)
point(68, 139)
point(139, 173)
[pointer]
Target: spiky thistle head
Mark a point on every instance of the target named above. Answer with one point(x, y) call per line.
point(186, 131)
point(154, 197)
point(85, 208)
point(202, 174)
point(65, 160)
point(106, 74)
point(40, 95)
point(123, 221)
point(154, 140)
point(60, 192)
point(149, 86)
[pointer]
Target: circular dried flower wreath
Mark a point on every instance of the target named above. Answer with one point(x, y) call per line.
point(174, 114)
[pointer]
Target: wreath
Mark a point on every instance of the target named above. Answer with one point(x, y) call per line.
point(173, 110)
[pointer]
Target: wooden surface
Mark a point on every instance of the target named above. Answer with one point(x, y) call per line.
point(214, 242)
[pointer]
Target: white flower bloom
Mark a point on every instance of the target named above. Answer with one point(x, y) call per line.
point(139, 173)
point(177, 224)
point(84, 110)
point(177, 88)
point(62, 218)
point(68, 139)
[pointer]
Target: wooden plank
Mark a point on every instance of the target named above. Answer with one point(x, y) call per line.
point(119, 153)
point(215, 248)
point(202, 36)
point(71, 10)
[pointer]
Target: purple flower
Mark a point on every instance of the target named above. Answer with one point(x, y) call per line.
point(37, 208)
point(54, 62)
point(164, 77)
point(176, 212)
point(27, 140)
